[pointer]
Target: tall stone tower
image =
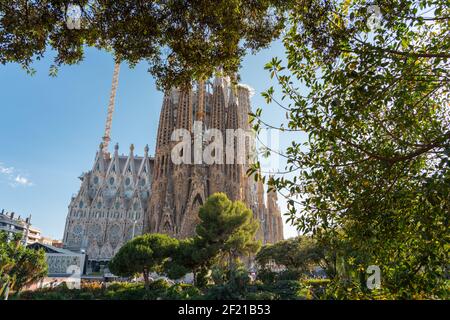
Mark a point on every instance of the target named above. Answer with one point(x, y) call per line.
point(274, 216)
point(179, 189)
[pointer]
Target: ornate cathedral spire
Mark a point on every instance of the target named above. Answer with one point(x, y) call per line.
point(112, 97)
point(234, 171)
point(166, 120)
point(201, 101)
point(184, 112)
point(129, 168)
point(244, 105)
point(260, 192)
point(275, 216)
point(217, 121)
point(218, 110)
point(233, 113)
point(100, 159)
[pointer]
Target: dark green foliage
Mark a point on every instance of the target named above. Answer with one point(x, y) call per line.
point(181, 40)
point(222, 292)
point(373, 170)
point(316, 288)
point(184, 260)
point(183, 292)
point(227, 225)
point(279, 290)
point(290, 275)
point(261, 295)
point(159, 289)
point(267, 276)
point(287, 289)
point(143, 254)
point(298, 255)
point(239, 288)
point(19, 265)
point(234, 285)
point(226, 231)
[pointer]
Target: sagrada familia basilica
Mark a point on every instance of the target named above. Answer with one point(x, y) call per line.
point(123, 196)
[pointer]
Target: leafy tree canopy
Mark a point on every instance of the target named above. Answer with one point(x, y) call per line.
point(300, 254)
point(181, 40)
point(19, 265)
point(371, 93)
point(143, 254)
point(226, 231)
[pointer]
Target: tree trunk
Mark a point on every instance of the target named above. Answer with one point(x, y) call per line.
point(146, 282)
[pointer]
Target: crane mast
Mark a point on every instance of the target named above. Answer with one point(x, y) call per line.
point(112, 98)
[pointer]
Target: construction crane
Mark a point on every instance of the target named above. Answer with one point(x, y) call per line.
point(109, 117)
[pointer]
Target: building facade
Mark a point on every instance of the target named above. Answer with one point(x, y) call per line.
point(110, 207)
point(61, 262)
point(11, 223)
point(123, 196)
point(178, 190)
point(63, 266)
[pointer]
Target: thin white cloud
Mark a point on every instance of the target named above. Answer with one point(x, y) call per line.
point(20, 180)
point(6, 170)
point(14, 177)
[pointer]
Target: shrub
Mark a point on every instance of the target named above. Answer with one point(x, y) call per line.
point(286, 290)
point(126, 291)
point(288, 275)
point(236, 288)
point(261, 295)
point(316, 287)
point(182, 292)
point(159, 284)
point(266, 276)
point(222, 292)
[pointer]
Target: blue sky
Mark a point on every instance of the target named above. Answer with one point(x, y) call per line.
point(50, 128)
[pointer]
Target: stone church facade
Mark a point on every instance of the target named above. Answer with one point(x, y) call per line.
point(123, 196)
point(110, 207)
point(178, 190)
